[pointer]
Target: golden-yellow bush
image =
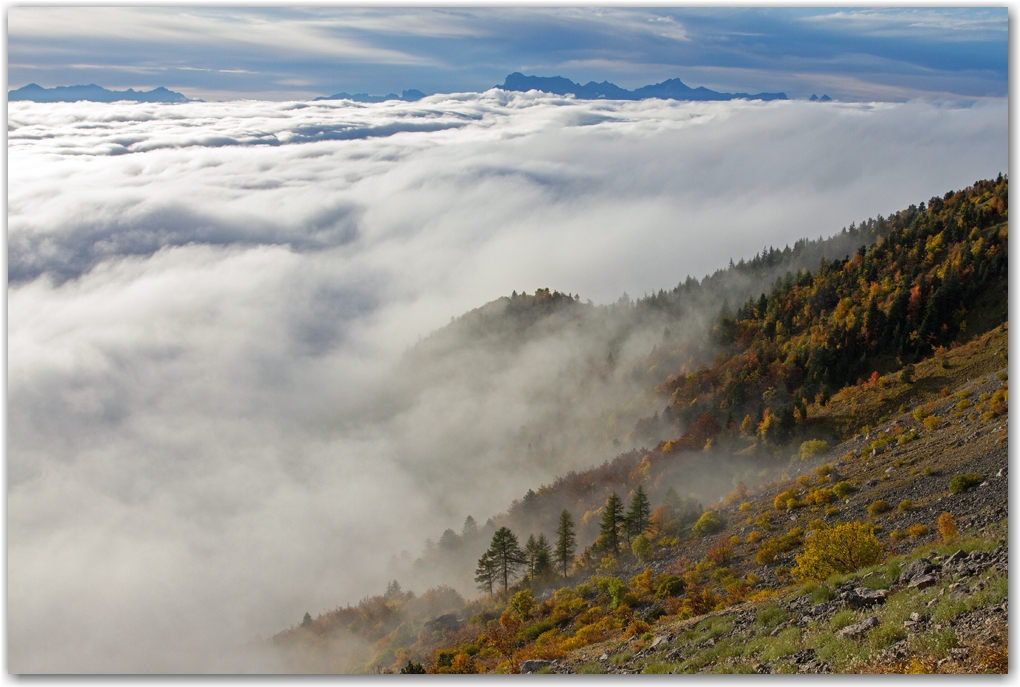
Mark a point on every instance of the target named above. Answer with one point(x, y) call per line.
point(917, 530)
point(932, 422)
point(947, 527)
point(783, 500)
point(840, 549)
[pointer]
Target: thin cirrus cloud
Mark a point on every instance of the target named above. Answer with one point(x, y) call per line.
point(295, 53)
point(208, 302)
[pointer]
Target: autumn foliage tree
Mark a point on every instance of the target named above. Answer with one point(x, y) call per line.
point(840, 549)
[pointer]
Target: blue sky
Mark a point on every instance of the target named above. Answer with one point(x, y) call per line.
point(890, 54)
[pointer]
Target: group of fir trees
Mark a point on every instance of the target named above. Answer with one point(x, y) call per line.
point(617, 525)
point(505, 559)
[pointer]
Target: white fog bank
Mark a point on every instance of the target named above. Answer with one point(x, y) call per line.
point(205, 302)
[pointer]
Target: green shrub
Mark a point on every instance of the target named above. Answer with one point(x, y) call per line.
point(878, 507)
point(671, 585)
point(771, 615)
point(961, 483)
point(531, 633)
point(812, 448)
point(842, 489)
point(709, 523)
point(641, 547)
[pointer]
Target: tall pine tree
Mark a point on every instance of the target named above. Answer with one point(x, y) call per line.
point(612, 523)
point(566, 542)
point(639, 515)
point(485, 573)
point(506, 554)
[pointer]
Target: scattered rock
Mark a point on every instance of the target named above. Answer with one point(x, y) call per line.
point(922, 582)
point(918, 568)
point(533, 666)
point(858, 629)
point(444, 623)
point(861, 597)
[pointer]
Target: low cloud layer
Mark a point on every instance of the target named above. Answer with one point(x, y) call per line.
point(206, 302)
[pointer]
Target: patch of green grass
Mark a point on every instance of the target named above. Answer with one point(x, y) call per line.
point(885, 635)
point(732, 669)
point(771, 615)
point(948, 608)
point(936, 644)
point(841, 619)
point(785, 668)
point(658, 668)
point(841, 654)
point(785, 643)
point(711, 628)
point(620, 658)
point(591, 668)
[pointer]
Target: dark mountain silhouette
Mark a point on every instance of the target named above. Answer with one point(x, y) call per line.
point(410, 96)
point(823, 99)
point(671, 89)
point(92, 92)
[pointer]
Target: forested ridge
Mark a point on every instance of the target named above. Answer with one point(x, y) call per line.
point(815, 359)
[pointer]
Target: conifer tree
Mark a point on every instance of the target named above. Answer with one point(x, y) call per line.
point(639, 516)
point(565, 542)
point(612, 523)
point(485, 573)
point(543, 560)
point(531, 550)
point(505, 553)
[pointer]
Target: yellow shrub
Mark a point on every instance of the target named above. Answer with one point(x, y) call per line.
point(896, 535)
point(932, 422)
point(812, 448)
point(820, 496)
point(744, 506)
point(947, 527)
point(754, 537)
point(782, 501)
point(917, 530)
point(839, 549)
point(921, 413)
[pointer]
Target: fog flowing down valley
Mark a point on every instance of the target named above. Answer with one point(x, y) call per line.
point(234, 388)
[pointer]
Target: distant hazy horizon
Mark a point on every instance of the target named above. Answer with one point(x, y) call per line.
point(865, 54)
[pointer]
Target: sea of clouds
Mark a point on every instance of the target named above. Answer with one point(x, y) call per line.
point(205, 302)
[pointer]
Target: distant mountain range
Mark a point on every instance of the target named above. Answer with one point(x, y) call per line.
point(409, 96)
point(671, 89)
point(70, 94)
